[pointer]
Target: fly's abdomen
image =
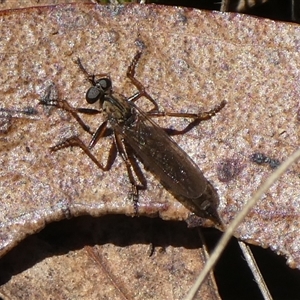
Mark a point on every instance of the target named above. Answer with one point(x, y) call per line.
point(165, 159)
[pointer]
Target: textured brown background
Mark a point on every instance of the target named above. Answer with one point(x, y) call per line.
point(196, 61)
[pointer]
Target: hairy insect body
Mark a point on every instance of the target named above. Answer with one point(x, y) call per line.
point(169, 162)
point(135, 134)
point(119, 112)
point(172, 166)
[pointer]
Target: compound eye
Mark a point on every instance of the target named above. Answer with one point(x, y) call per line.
point(93, 94)
point(104, 84)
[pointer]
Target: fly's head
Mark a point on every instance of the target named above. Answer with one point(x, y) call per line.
point(100, 89)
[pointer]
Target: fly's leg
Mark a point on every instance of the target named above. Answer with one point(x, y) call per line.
point(131, 167)
point(74, 141)
point(134, 188)
point(156, 113)
point(63, 104)
point(141, 89)
point(102, 131)
point(198, 118)
point(136, 168)
point(89, 77)
point(77, 142)
point(202, 116)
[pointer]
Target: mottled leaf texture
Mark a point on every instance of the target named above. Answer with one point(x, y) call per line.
point(192, 60)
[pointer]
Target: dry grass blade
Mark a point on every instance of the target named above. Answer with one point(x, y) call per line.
point(255, 270)
point(238, 220)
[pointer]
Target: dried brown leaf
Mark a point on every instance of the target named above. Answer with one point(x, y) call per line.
point(192, 60)
point(7, 4)
point(106, 258)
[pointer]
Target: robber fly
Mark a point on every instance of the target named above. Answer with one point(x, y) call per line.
point(136, 135)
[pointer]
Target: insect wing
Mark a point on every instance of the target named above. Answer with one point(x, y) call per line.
point(163, 157)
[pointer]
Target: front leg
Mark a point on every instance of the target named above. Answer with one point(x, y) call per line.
point(141, 89)
point(64, 105)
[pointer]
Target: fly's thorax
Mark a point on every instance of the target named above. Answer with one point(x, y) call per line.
point(119, 111)
point(111, 110)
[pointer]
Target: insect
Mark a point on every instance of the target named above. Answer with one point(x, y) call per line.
point(136, 135)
